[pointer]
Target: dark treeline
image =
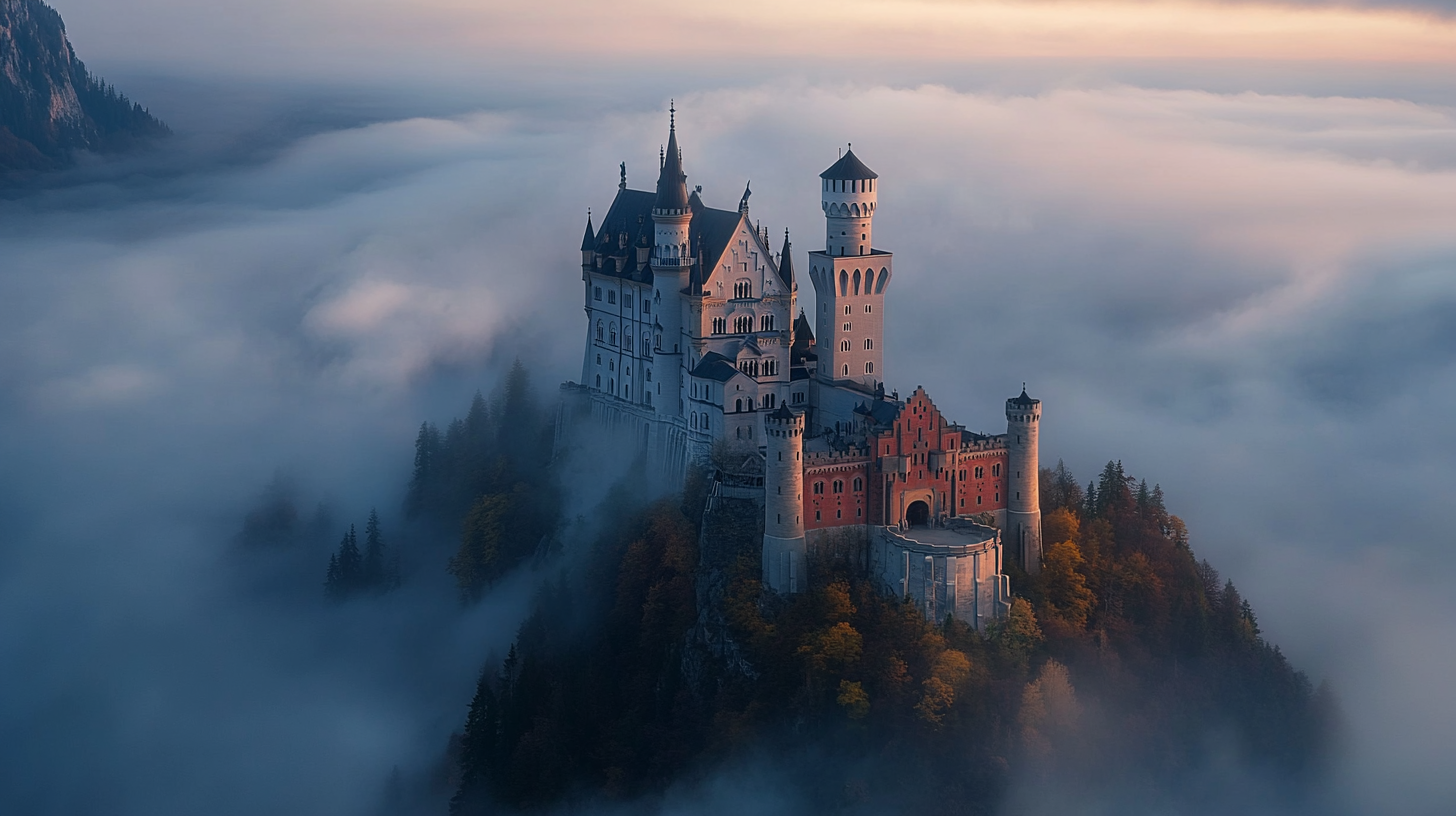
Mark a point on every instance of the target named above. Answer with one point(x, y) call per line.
point(1115, 668)
point(488, 478)
point(352, 571)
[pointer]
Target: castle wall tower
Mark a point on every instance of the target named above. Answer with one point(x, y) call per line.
point(850, 277)
point(672, 265)
point(785, 551)
point(1022, 531)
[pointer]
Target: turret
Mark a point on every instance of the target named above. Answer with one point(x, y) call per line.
point(1022, 532)
point(588, 244)
point(785, 551)
point(849, 196)
point(672, 264)
point(850, 278)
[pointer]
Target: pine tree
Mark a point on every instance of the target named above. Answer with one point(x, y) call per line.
point(345, 568)
point(375, 564)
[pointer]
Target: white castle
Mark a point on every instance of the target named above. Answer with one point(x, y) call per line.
point(692, 340)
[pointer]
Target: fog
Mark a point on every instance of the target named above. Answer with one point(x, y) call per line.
point(1236, 279)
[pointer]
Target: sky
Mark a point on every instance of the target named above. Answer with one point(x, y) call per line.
point(1216, 239)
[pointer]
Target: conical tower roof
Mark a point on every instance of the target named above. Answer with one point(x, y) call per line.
point(786, 261)
point(672, 182)
point(848, 167)
point(588, 241)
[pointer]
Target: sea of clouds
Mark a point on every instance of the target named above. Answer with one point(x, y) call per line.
point(1249, 298)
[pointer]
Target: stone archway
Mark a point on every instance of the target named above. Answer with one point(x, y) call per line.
point(917, 514)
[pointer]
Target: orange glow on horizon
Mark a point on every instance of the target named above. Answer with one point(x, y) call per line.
point(950, 30)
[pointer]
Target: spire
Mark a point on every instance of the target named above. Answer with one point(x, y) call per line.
point(786, 262)
point(588, 241)
point(672, 183)
point(622, 185)
point(743, 203)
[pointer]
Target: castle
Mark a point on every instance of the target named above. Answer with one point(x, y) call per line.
point(692, 341)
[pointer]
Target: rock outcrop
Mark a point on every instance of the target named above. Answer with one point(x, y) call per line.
point(51, 107)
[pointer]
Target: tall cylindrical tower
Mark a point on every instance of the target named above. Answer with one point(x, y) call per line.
point(1023, 479)
point(785, 551)
point(850, 277)
point(672, 265)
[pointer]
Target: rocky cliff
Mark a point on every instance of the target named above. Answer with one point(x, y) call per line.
point(50, 105)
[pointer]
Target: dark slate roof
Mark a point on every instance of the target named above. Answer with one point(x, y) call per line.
point(1024, 399)
point(803, 339)
point(883, 412)
point(710, 232)
point(588, 241)
point(631, 212)
point(797, 373)
point(786, 262)
point(782, 412)
point(672, 182)
point(715, 366)
point(848, 167)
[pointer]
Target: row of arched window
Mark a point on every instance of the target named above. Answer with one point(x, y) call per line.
point(757, 368)
point(869, 369)
point(849, 185)
point(851, 284)
point(838, 486)
point(608, 334)
point(743, 289)
point(743, 324)
point(844, 345)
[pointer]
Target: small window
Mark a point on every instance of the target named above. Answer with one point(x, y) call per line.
point(838, 486)
point(847, 309)
point(869, 368)
point(612, 297)
point(868, 308)
point(597, 293)
point(599, 382)
point(858, 484)
point(627, 299)
point(869, 343)
point(818, 488)
point(978, 500)
point(846, 371)
point(816, 516)
point(646, 306)
point(847, 326)
point(844, 345)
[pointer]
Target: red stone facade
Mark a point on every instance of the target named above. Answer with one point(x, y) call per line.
point(920, 458)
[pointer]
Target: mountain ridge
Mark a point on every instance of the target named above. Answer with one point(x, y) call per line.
point(51, 106)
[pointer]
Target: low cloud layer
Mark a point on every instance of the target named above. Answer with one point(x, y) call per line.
point(1247, 298)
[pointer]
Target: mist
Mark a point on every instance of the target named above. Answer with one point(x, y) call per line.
point(1236, 280)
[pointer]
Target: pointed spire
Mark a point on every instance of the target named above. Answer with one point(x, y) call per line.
point(786, 261)
point(589, 240)
point(672, 183)
point(622, 185)
point(743, 203)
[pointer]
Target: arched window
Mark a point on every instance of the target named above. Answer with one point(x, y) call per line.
point(847, 308)
point(869, 308)
point(611, 385)
point(869, 368)
point(843, 283)
point(601, 331)
point(869, 343)
point(766, 323)
point(856, 281)
point(738, 405)
point(612, 331)
point(838, 486)
point(646, 343)
point(599, 382)
point(858, 484)
point(818, 488)
point(846, 371)
point(844, 345)
point(880, 282)
point(694, 420)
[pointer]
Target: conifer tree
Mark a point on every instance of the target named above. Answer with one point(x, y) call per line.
point(375, 562)
point(345, 568)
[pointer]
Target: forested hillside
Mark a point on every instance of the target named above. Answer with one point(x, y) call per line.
point(1126, 665)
